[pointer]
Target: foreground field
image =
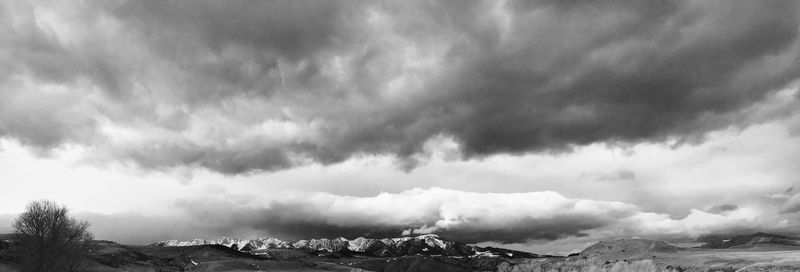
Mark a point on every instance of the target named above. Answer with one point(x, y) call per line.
point(761, 258)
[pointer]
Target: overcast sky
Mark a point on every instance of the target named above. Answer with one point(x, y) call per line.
point(542, 125)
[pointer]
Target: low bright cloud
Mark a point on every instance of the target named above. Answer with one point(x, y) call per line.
point(506, 218)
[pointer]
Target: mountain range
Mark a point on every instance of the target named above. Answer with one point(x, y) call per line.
point(428, 244)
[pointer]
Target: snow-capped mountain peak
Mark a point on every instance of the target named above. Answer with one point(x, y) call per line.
point(428, 244)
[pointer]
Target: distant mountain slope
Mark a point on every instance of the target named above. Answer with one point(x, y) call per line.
point(114, 257)
point(626, 249)
point(751, 240)
point(428, 263)
point(429, 244)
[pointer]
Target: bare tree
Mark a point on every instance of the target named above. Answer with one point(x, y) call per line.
point(50, 239)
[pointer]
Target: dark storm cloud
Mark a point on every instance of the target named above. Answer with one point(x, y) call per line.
point(593, 72)
point(236, 48)
point(723, 208)
point(528, 229)
point(37, 118)
point(301, 221)
point(242, 86)
point(139, 229)
point(619, 175)
point(792, 204)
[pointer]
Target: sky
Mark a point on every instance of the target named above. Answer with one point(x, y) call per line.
point(534, 125)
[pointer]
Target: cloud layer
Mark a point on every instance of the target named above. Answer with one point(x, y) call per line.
point(246, 86)
point(521, 218)
point(464, 216)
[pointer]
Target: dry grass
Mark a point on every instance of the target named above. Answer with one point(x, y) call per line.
point(7, 268)
point(573, 265)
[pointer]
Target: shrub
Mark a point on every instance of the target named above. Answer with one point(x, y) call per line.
point(50, 240)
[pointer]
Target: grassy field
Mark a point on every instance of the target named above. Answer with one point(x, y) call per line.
point(751, 259)
point(762, 258)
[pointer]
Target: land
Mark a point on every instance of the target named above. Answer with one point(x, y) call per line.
point(754, 252)
point(758, 258)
